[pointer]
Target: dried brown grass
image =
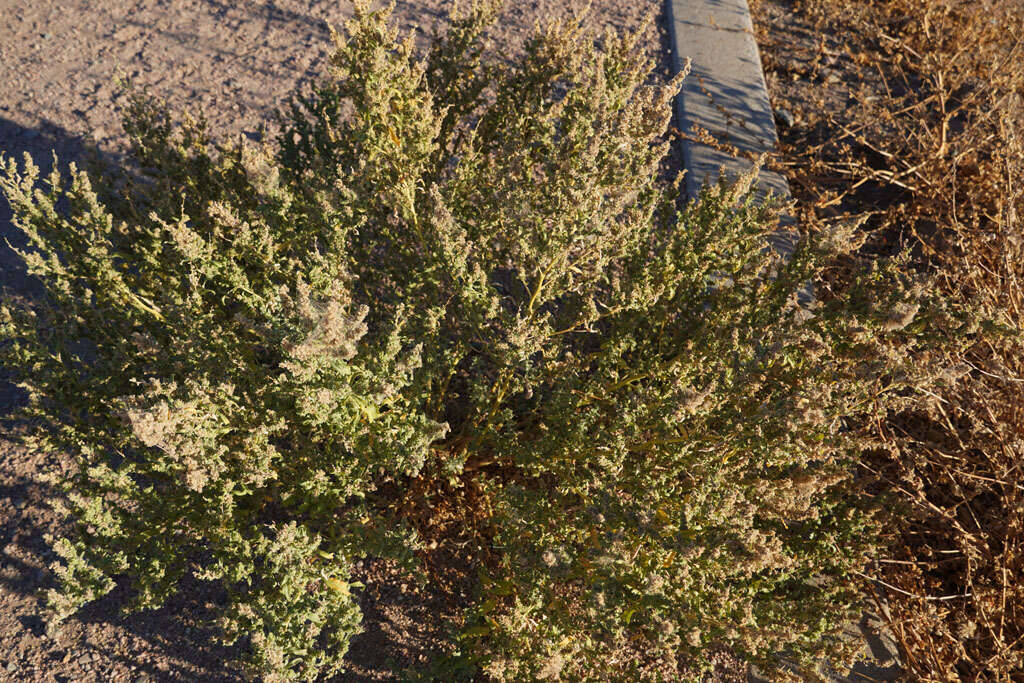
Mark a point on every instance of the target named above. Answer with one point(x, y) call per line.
point(931, 158)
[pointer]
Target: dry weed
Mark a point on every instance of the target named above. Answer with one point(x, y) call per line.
point(930, 156)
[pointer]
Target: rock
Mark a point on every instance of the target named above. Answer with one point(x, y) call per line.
point(11, 667)
point(785, 118)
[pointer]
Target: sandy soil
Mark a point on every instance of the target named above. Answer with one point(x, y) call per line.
point(234, 63)
point(812, 78)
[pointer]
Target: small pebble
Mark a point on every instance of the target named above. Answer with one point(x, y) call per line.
point(785, 118)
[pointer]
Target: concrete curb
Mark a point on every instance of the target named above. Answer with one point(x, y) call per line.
point(726, 95)
point(725, 92)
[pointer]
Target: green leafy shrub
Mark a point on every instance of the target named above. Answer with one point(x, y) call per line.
point(447, 275)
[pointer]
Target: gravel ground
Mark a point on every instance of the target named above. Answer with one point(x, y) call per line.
point(234, 63)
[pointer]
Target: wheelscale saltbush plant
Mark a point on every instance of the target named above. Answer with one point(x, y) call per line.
point(451, 274)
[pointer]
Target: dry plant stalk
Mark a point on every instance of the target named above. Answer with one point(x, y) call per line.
point(933, 159)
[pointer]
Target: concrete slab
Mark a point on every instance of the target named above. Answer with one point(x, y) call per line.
point(725, 92)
